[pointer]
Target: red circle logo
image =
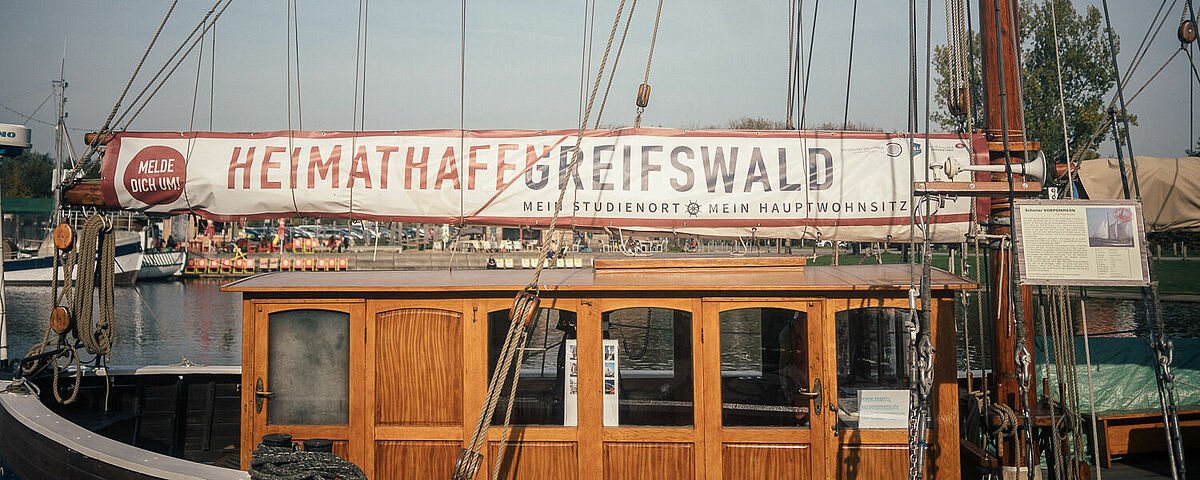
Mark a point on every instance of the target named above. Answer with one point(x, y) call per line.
point(156, 175)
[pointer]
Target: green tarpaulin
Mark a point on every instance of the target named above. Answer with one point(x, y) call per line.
point(1123, 374)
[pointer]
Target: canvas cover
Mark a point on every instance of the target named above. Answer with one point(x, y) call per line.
point(1123, 377)
point(1170, 189)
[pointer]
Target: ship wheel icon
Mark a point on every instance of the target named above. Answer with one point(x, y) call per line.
point(693, 208)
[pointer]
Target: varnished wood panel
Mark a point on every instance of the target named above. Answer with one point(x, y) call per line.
point(536, 460)
point(415, 460)
point(875, 462)
point(765, 462)
point(635, 461)
point(418, 377)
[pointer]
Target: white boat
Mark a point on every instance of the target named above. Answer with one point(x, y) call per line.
point(162, 264)
point(38, 270)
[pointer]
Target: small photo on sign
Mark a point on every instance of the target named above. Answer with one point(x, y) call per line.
point(610, 369)
point(610, 387)
point(574, 387)
point(571, 352)
point(1110, 226)
point(610, 353)
point(574, 369)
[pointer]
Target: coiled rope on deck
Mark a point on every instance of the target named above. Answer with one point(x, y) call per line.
point(268, 462)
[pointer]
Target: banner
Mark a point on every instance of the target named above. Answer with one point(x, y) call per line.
point(852, 186)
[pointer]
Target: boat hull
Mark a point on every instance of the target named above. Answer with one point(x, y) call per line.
point(39, 443)
point(39, 270)
point(162, 265)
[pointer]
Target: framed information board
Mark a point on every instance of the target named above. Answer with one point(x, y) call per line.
point(1081, 242)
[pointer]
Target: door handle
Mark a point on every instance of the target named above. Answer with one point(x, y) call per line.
point(815, 395)
point(259, 395)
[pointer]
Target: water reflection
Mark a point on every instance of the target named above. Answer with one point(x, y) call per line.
point(1108, 318)
point(167, 322)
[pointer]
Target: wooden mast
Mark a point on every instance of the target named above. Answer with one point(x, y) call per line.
point(1002, 108)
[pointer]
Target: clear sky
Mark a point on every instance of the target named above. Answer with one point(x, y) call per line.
point(714, 61)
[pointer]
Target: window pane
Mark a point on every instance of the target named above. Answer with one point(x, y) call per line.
point(304, 345)
point(871, 355)
point(764, 364)
point(541, 389)
point(652, 366)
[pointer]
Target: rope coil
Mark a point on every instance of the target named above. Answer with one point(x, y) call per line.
point(269, 462)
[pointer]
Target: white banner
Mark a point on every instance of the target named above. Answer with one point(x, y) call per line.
point(852, 186)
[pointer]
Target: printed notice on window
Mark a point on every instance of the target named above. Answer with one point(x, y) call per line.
point(883, 409)
point(1080, 242)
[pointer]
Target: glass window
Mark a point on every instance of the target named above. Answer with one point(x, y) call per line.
point(648, 365)
point(871, 355)
point(304, 345)
point(764, 367)
point(541, 389)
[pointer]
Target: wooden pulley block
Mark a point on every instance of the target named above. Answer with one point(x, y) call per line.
point(64, 237)
point(959, 102)
point(1186, 32)
point(526, 305)
point(60, 319)
point(643, 97)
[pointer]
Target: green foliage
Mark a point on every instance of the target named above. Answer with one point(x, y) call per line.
point(1086, 75)
point(27, 175)
point(1194, 151)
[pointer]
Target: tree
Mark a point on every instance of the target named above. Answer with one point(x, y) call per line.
point(27, 175)
point(1087, 77)
point(1194, 151)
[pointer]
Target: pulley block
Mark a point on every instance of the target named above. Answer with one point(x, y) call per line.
point(525, 308)
point(64, 237)
point(1186, 32)
point(643, 96)
point(959, 101)
point(60, 319)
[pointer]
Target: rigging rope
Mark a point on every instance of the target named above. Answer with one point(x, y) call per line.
point(92, 257)
point(850, 68)
point(637, 121)
point(524, 313)
point(1162, 348)
point(1062, 107)
point(791, 58)
point(616, 60)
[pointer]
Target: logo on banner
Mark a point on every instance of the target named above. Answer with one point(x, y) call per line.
point(156, 175)
point(894, 149)
point(916, 149)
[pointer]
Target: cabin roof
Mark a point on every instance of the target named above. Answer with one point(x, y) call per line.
point(813, 278)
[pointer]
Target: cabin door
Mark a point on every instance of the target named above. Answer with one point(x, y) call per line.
point(302, 384)
point(764, 390)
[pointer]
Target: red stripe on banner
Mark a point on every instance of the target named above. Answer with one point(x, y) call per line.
point(600, 221)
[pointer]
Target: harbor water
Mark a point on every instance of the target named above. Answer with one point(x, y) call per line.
point(164, 322)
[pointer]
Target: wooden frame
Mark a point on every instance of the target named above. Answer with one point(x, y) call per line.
point(649, 437)
point(816, 436)
point(353, 432)
point(590, 450)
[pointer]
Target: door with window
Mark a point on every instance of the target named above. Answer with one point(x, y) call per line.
point(765, 413)
point(649, 353)
point(303, 356)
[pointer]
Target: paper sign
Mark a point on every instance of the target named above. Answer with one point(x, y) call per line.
point(571, 386)
point(611, 384)
point(1081, 242)
point(883, 409)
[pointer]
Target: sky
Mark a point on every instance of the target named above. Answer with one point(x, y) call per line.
point(714, 61)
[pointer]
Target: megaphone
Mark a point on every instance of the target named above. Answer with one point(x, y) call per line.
point(1035, 168)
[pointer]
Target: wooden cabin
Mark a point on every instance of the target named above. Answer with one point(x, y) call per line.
point(714, 368)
